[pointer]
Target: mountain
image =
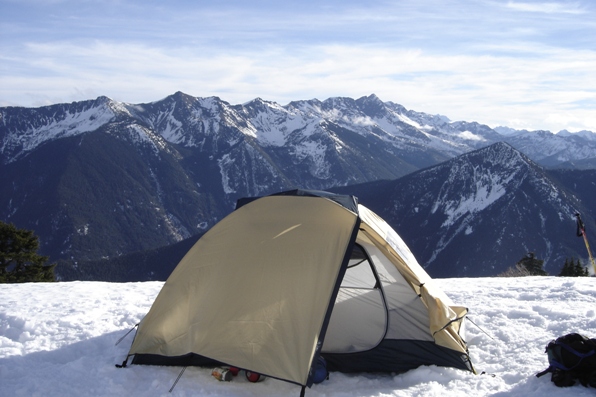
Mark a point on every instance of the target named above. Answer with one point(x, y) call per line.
point(150, 265)
point(582, 184)
point(498, 188)
point(100, 179)
point(103, 193)
point(481, 212)
point(561, 150)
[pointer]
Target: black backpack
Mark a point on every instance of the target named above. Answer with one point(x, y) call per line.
point(571, 358)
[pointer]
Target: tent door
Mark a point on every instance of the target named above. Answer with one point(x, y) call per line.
point(359, 317)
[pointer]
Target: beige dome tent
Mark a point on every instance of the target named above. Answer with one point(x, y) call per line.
point(288, 277)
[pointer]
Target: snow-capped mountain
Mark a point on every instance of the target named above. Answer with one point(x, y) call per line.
point(102, 178)
point(561, 150)
point(480, 213)
point(188, 121)
point(555, 149)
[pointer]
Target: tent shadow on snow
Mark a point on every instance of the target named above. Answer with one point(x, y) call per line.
point(95, 347)
point(82, 364)
point(87, 368)
point(533, 386)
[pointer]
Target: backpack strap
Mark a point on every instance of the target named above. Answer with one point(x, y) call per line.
point(546, 371)
point(576, 353)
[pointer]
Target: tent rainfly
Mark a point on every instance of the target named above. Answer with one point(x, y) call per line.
point(296, 275)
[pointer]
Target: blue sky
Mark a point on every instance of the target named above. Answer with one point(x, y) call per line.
point(522, 64)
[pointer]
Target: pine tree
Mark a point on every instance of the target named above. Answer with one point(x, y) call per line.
point(19, 261)
point(573, 269)
point(533, 265)
point(566, 271)
point(579, 270)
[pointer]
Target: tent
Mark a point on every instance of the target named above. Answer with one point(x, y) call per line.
point(289, 277)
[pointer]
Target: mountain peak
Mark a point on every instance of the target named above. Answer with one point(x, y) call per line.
point(374, 97)
point(501, 146)
point(501, 153)
point(102, 99)
point(371, 105)
point(259, 102)
point(478, 213)
point(180, 96)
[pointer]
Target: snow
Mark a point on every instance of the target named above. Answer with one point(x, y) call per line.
point(487, 191)
point(58, 339)
point(272, 125)
point(315, 151)
point(68, 124)
point(172, 129)
point(141, 135)
point(225, 164)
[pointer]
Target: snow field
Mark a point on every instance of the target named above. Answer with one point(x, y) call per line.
point(58, 339)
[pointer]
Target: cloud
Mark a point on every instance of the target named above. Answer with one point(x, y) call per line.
point(543, 89)
point(547, 7)
point(477, 61)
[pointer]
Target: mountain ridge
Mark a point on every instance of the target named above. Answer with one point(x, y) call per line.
point(416, 226)
point(100, 179)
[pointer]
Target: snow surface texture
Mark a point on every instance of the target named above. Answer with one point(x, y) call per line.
point(59, 340)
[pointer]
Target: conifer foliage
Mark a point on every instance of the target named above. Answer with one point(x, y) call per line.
point(573, 269)
point(533, 265)
point(529, 265)
point(19, 261)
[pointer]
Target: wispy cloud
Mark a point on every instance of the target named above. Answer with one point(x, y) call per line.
point(547, 7)
point(478, 61)
point(494, 89)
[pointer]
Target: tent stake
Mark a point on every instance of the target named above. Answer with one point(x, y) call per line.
point(177, 379)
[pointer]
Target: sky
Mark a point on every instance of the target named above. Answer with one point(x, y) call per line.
point(523, 64)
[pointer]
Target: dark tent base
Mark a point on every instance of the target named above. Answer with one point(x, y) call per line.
point(389, 356)
point(187, 360)
point(398, 356)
